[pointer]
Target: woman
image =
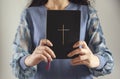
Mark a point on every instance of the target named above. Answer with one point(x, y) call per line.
point(32, 49)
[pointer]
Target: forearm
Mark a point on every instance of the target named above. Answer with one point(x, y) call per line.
point(106, 64)
point(20, 70)
point(97, 44)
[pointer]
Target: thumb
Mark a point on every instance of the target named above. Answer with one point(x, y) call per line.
point(81, 44)
point(45, 42)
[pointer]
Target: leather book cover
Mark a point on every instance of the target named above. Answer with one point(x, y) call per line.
point(63, 30)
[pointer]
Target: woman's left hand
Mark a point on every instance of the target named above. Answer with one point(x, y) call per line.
point(86, 57)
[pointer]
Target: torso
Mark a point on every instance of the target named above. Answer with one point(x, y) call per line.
point(60, 68)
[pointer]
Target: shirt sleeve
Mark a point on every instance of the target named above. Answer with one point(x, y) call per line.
point(97, 44)
point(22, 48)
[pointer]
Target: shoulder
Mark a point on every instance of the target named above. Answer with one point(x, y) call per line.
point(85, 8)
point(79, 7)
point(89, 9)
point(92, 11)
point(36, 8)
point(33, 10)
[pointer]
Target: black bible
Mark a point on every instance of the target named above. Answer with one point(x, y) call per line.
point(63, 30)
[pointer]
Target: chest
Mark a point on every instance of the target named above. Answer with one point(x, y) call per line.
point(39, 26)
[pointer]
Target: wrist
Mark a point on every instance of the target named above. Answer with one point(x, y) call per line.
point(95, 62)
point(27, 61)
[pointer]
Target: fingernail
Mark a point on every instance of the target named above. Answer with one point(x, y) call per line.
point(75, 45)
point(51, 60)
point(53, 56)
point(52, 45)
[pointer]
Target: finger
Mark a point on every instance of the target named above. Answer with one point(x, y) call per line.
point(46, 42)
point(80, 63)
point(80, 43)
point(48, 50)
point(79, 58)
point(79, 51)
point(74, 52)
point(42, 57)
point(47, 55)
point(75, 60)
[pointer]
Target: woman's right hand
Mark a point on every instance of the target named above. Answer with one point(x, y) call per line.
point(41, 53)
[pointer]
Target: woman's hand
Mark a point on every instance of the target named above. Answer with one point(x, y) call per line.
point(86, 57)
point(41, 53)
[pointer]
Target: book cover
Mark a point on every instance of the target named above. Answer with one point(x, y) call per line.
point(63, 30)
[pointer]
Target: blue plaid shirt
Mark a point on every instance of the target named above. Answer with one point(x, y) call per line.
point(32, 29)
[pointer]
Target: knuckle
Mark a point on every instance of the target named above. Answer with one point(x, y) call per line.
point(79, 57)
point(79, 49)
point(46, 47)
point(36, 48)
point(41, 41)
point(47, 40)
point(82, 58)
point(43, 51)
point(84, 42)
